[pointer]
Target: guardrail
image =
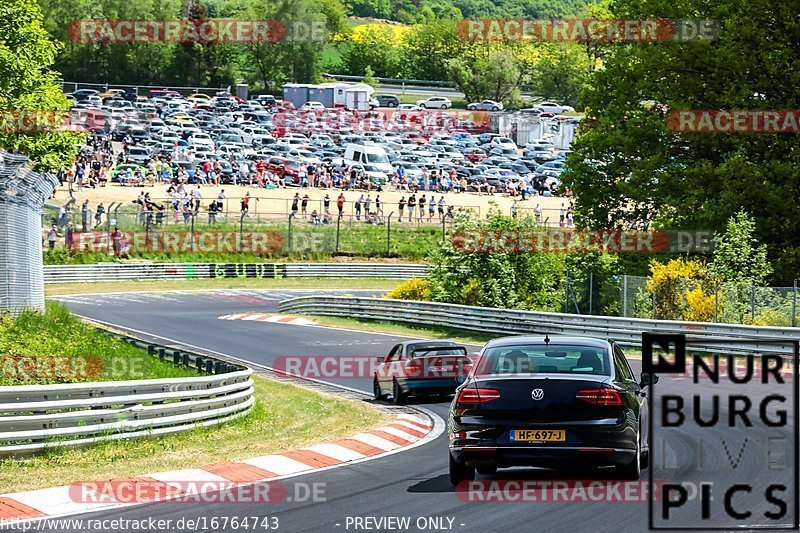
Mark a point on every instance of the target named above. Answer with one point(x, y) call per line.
point(710, 337)
point(36, 417)
point(98, 272)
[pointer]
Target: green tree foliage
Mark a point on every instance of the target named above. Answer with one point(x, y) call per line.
point(27, 84)
point(496, 77)
point(737, 254)
point(561, 73)
point(509, 280)
point(376, 48)
point(629, 169)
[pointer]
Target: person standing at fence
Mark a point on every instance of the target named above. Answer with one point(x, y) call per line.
point(197, 197)
point(421, 213)
point(378, 206)
point(246, 204)
point(85, 217)
point(340, 204)
point(326, 204)
point(358, 206)
point(431, 208)
point(295, 204)
point(412, 203)
point(98, 214)
point(220, 201)
point(52, 235)
point(367, 205)
point(441, 208)
point(537, 213)
point(304, 205)
point(400, 206)
point(562, 215)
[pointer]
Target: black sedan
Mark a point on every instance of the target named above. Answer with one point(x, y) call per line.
point(553, 403)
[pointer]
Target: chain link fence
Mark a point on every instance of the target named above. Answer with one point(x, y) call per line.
point(730, 303)
point(22, 194)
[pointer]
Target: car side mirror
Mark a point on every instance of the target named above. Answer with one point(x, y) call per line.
point(648, 378)
point(381, 359)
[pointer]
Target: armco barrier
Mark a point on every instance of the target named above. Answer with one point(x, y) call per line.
point(711, 337)
point(36, 417)
point(164, 271)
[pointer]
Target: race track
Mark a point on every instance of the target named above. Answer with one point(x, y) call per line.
point(408, 484)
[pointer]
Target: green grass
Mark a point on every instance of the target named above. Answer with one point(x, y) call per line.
point(59, 289)
point(306, 243)
point(285, 417)
point(56, 347)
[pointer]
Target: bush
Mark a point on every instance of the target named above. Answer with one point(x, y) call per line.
point(679, 290)
point(413, 289)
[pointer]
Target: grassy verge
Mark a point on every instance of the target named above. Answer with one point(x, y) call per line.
point(429, 332)
point(56, 347)
point(61, 289)
point(409, 330)
point(285, 417)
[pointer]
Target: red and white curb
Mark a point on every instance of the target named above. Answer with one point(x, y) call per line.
point(260, 317)
point(407, 430)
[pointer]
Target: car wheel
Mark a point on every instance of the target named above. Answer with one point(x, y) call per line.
point(632, 470)
point(460, 472)
point(377, 393)
point(487, 470)
point(495, 108)
point(443, 106)
point(397, 394)
point(392, 104)
point(423, 106)
point(470, 108)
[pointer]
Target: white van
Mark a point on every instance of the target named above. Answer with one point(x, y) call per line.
point(368, 153)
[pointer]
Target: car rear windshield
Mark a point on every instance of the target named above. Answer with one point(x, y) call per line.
point(423, 351)
point(540, 358)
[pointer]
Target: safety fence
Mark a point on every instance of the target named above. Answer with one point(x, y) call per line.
point(104, 272)
point(707, 336)
point(37, 417)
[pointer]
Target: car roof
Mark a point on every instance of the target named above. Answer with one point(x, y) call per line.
point(519, 340)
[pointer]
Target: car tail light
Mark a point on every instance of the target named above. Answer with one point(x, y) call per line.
point(471, 395)
point(413, 368)
point(599, 396)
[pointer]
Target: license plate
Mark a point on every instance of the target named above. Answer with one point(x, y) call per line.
point(538, 435)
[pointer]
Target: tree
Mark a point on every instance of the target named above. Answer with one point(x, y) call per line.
point(737, 255)
point(629, 169)
point(561, 73)
point(369, 77)
point(496, 77)
point(374, 46)
point(27, 84)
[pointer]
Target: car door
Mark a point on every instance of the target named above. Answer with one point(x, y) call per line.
point(386, 369)
point(634, 396)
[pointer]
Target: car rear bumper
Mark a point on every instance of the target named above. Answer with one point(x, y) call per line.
point(429, 385)
point(542, 456)
point(601, 442)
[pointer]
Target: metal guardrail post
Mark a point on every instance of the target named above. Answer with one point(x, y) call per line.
point(338, 224)
point(389, 234)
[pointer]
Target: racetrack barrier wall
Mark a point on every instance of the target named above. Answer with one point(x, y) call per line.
point(164, 271)
point(710, 337)
point(36, 417)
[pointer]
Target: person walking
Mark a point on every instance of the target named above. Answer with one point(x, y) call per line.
point(400, 206)
point(359, 201)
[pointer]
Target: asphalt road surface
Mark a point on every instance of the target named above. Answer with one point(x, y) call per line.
point(413, 484)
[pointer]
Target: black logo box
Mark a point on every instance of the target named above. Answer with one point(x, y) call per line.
point(676, 344)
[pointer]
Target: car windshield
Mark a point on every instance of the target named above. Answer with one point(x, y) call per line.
point(377, 158)
point(541, 358)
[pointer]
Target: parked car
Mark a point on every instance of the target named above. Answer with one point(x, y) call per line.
point(388, 100)
point(485, 105)
point(312, 106)
point(552, 107)
point(420, 368)
point(435, 102)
